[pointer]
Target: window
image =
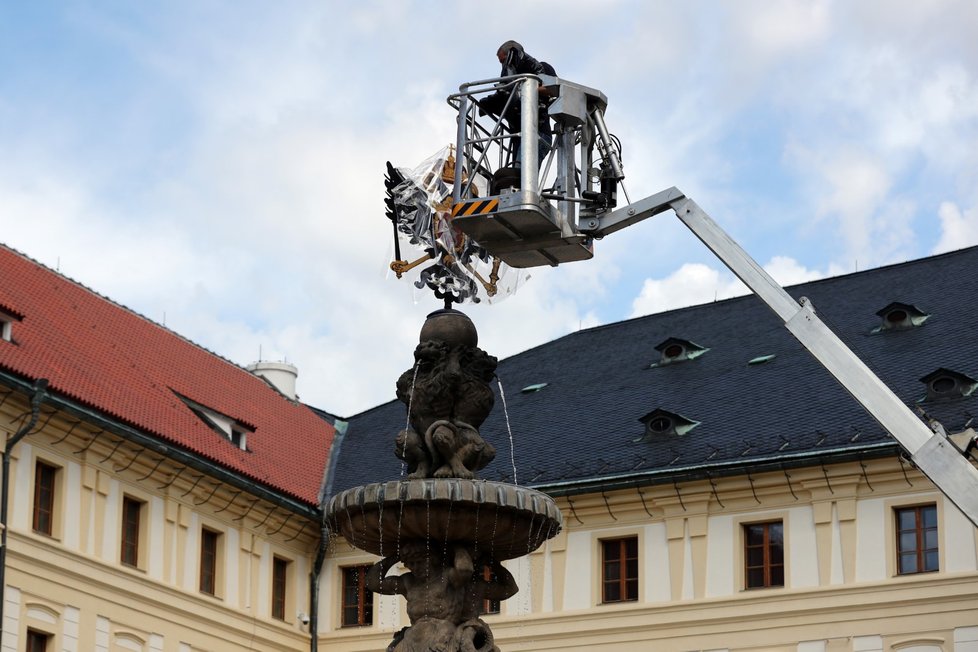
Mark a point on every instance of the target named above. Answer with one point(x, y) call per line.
point(132, 511)
point(45, 477)
point(900, 316)
point(234, 431)
point(764, 555)
point(280, 576)
point(619, 570)
point(674, 350)
point(946, 385)
point(489, 606)
point(358, 600)
point(239, 437)
point(917, 550)
point(208, 561)
point(37, 641)
point(660, 423)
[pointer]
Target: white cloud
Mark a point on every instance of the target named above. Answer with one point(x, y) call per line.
point(691, 284)
point(773, 29)
point(695, 283)
point(229, 174)
point(958, 229)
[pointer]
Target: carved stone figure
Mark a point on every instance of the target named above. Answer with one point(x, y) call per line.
point(444, 597)
point(432, 519)
point(448, 397)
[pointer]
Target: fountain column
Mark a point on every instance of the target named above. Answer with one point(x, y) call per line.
point(442, 523)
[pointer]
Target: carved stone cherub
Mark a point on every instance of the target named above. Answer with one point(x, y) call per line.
point(444, 597)
point(448, 397)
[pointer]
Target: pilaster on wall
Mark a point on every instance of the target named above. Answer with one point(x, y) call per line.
point(966, 639)
point(86, 521)
point(103, 630)
point(20, 475)
point(187, 541)
point(103, 484)
point(71, 629)
point(11, 620)
point(538, 561)
point(867, 644)
point(834, 513)
point(686, 524)
point(558, 568)
point(246, 569)
point(170, 542)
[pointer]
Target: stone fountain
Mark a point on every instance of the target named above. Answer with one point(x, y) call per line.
point(448, 528)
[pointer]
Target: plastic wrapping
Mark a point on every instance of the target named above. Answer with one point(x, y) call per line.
point(460, 269)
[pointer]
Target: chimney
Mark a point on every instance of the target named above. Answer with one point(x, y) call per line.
point(280, 375)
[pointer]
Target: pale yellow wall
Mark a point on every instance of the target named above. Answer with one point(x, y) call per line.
point(841, 591)
point(841, 595)
point(73, 586)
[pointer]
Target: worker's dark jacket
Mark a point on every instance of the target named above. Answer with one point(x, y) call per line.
point(521, 63)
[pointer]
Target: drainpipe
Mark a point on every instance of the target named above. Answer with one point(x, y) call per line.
point(324, 495)
point(317, 569)
point(40, 385)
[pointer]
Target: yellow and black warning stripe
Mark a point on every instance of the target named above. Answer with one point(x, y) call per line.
point(477, 207)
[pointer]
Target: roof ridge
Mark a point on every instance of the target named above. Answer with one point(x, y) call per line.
point(120, 305)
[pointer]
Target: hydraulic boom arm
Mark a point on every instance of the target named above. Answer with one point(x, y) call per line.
point(936, 456)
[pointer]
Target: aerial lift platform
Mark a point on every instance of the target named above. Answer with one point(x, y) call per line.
point(518, 210)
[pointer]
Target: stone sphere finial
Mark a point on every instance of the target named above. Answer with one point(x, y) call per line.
point(449, 326)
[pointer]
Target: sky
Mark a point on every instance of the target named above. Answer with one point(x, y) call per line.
point(218, 166)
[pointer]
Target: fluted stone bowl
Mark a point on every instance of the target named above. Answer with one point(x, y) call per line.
point(502, 520)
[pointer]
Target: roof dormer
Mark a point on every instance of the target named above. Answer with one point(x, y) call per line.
point(7, 320)
point(662, 423)
point(900, 316)
point(233, 430)
point(945, 384)
point(675, 349)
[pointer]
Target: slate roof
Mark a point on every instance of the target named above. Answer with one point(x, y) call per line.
point(109, 358)
point(580, 431)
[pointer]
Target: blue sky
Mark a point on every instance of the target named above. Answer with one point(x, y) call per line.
point(218, 166)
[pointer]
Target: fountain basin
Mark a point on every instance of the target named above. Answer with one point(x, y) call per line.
point(500, 520)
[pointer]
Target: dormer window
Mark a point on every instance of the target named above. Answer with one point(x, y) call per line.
point(239, 436)
point(662, 423)
point(7, 319)
point(900, 316)
point(234, 431)
point(675, 350)
point(945, 384)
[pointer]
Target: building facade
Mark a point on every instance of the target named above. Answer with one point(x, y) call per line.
point(159, 497)
point(719, 490)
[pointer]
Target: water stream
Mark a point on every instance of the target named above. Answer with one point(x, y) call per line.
point(512, 451)
point(407, 425)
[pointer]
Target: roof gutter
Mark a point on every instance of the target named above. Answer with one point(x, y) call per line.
point(37, 397)
point(173, 452)
point(703, 472)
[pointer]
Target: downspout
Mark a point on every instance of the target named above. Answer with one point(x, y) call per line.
point(317, 568)
point(40, 385)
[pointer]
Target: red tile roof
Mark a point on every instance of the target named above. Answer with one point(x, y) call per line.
point(109, 358)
